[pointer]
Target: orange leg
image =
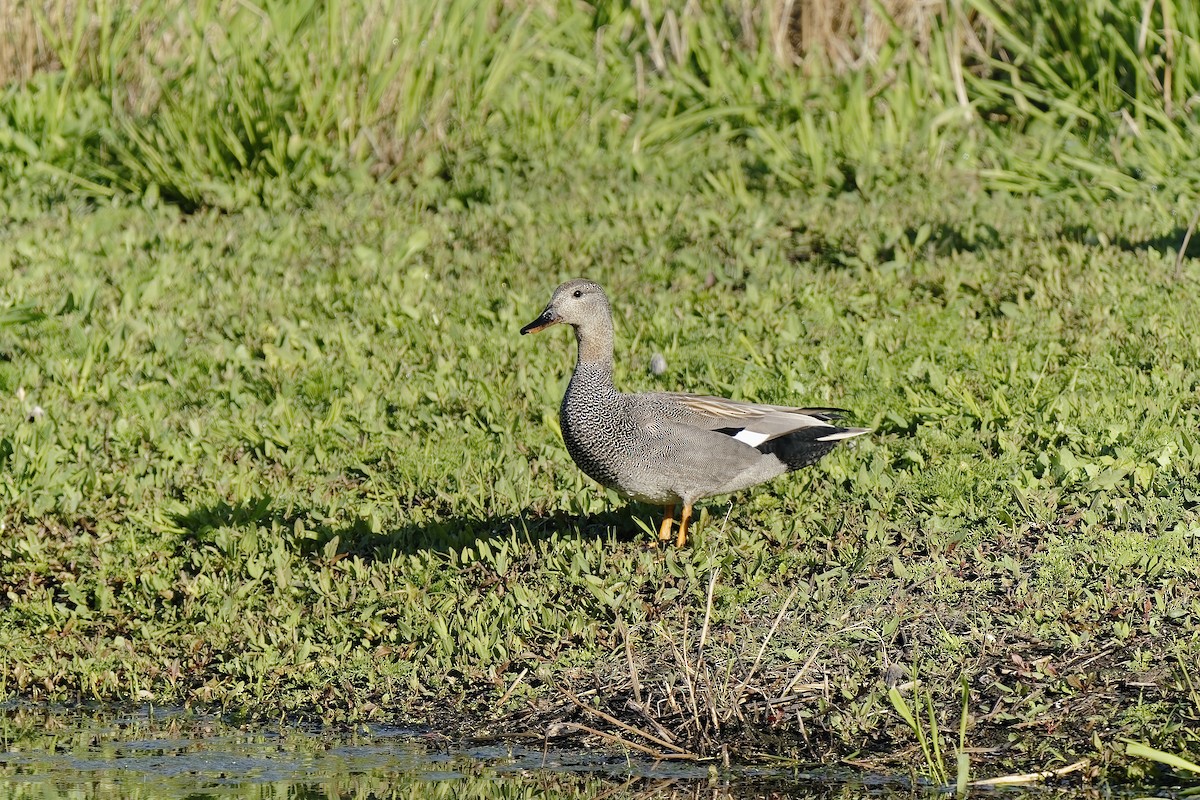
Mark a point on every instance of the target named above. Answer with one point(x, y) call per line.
point(664, 530)
point(684, 520)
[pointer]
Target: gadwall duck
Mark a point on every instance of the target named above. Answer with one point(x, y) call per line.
point(671, 448)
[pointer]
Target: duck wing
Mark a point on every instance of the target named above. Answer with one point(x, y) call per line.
point(752, 423)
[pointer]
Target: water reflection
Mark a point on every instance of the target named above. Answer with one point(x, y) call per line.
point(67, 753)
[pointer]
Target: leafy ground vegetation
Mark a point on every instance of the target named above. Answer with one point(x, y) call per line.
point(272, 444)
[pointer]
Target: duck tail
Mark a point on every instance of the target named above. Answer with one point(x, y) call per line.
point(807, 446)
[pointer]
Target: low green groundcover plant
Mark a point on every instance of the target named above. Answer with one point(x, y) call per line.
point(301, 464)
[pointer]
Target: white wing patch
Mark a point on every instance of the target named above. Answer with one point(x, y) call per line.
point(757, 424)
point(752, 438)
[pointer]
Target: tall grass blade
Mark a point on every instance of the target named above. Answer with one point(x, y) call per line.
point(19, 315)
point(1141, 750)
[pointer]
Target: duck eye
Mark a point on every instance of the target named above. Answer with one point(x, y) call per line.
point(577, 293)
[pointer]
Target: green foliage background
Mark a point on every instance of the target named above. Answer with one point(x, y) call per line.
point(271, 442)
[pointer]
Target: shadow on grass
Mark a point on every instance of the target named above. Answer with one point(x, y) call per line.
point(355, 536)
point(835, 253)
point(1166, 243)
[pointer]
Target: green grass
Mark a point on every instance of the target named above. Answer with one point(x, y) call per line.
point(211, 105)
point(273, 445)
point(302, 463)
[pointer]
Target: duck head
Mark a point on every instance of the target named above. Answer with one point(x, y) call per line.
point(576, 303)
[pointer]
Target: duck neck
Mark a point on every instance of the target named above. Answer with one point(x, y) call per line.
point(595, 340)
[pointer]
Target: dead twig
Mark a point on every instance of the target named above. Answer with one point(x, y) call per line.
point(1031, 777)
point(557, 727)
point(611, 720)
point(783, 700)
point(644, 712)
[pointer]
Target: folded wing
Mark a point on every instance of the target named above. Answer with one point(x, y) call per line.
point(757, 424)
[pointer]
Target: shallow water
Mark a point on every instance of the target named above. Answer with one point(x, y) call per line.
point(70, 753)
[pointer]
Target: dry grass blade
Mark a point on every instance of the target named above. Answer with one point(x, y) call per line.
point(636, 703)
point(623, 742)
point(512, 688)
point(689, 681)
point(708, 607)
point(784, 699)
point(766, 641)
point(679, 751)
point(1032, 777)
point(1187, 238)
point(633, 675)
